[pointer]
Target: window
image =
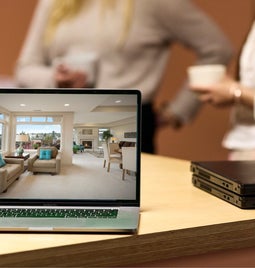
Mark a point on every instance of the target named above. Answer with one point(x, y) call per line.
point(38, 119)
point(1, 136)
point(4, 124)
point(23, 119)
point(100, 135)
point(42, 130)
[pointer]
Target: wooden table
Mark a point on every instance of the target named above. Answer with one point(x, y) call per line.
point(24, 156)
point(177, 221)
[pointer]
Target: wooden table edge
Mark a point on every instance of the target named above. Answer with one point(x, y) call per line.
point(138, 249)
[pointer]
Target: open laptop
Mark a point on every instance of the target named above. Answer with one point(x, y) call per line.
point(83, 196)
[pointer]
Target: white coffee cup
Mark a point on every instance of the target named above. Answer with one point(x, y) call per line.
point(205, 75)
point(85, 62)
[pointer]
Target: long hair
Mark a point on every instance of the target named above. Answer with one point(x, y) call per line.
point(67, 9)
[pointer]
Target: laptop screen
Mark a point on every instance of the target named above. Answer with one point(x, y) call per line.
point(66, 146)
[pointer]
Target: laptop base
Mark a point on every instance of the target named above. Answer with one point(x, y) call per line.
point(126, 222)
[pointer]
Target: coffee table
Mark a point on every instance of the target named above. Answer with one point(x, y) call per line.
point(24, 156)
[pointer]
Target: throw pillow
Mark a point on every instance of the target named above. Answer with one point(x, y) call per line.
point(45, 154)
point(48, 154)
point(41, 155)
point(2, 162)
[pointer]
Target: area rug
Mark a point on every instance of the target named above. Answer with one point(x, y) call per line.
point(96, 154)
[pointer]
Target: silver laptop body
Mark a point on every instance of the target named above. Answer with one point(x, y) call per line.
point(83, 196)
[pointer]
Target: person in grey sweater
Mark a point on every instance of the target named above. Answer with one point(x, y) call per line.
point(131, 40)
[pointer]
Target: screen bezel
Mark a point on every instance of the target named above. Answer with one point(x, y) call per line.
point(83, 202)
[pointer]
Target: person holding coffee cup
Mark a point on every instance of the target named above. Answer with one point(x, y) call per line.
point(132, 40)
point(240, 94)
point(226, 92)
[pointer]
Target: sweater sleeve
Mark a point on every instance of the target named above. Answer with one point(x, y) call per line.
point(191, 27)
point(31, 67)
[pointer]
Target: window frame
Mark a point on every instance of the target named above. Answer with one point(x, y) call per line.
point(30, 120)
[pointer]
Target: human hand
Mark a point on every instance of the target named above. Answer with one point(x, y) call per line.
point(65, 77)
point(165, 117)
point(219, 94)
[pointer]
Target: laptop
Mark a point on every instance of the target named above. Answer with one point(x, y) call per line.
point(241, 201)
point(82, 196)
point(232, 181)
point(236, 176)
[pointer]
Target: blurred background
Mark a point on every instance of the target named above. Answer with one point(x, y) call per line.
point(200, 139)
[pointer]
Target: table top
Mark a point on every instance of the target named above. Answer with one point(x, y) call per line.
point(179, 217)
point(24, 156)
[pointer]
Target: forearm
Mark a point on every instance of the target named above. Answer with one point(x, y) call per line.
point(185, 105)
point(34, 76)
point(194, 29)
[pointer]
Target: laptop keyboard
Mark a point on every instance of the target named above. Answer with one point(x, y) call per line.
point(59, 213)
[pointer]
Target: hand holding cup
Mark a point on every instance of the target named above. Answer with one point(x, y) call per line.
point(212, 84)
point(76, 71)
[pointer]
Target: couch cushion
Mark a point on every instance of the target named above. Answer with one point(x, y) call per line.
point(2, 162)
point(12, 169)
point(45, 163)
point(54, 152)
point(45, 154)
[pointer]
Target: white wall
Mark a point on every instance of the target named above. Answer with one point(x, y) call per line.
point(118, 131)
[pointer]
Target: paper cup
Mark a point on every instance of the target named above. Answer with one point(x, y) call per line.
point(87, 63)
point(205, 75)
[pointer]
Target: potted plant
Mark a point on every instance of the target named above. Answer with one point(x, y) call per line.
point(107, 135)
point(75, 149)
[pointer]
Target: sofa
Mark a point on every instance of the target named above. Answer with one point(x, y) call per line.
point(10, 172)
point(45, 163)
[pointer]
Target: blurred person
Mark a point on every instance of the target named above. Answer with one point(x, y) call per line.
point(240, 93)
point(131, 40)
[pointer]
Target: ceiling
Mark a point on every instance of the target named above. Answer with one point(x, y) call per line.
point(89, 109)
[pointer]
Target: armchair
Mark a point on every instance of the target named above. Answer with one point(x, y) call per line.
point(48, 164)
point(10, 172)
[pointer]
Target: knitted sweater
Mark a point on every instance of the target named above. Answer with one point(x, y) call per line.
point(140, 62)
